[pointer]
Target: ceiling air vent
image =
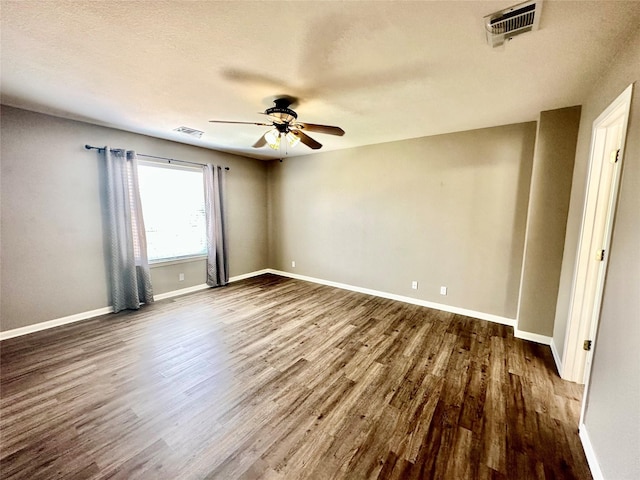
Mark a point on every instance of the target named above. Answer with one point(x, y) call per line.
point(189, 131)
point(512, 21)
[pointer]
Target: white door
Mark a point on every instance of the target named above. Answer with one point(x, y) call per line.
point(603, 216)
point(607, 146)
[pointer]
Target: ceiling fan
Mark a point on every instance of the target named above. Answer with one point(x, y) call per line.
point(285, 124)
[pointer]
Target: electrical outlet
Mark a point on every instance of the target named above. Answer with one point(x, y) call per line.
point(443, 290)
point(293, 264)
point(414, 284)
point(181, 277)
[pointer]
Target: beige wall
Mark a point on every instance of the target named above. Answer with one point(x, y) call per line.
point(165, 276)
point(613, 414)
point(547, 218)
point(445, 210)
point(53, 260)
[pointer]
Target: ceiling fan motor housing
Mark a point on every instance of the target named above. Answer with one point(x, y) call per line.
point(283, 114)
point(281, 111)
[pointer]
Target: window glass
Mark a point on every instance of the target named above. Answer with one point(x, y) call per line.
point(173, 209)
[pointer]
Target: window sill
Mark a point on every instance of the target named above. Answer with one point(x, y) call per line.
point(176, 261)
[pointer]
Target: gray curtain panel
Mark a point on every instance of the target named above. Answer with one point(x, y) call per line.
point(217, 261)
point(129, 264)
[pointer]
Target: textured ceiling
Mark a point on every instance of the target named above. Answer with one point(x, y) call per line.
point(382, 71)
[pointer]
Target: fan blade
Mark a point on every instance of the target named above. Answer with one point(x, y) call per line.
point(241, 123)
point(260, 143)
point(307, 140)
point(313, 127)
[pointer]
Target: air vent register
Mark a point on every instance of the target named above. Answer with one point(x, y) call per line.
point(512, 21)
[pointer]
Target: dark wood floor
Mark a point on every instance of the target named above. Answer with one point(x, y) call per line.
point(281, 379)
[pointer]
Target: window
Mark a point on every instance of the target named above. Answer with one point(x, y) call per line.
point(173, 209)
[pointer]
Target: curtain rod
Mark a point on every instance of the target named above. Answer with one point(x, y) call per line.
point(90, 147)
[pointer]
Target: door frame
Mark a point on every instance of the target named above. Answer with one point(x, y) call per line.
point(579, 328)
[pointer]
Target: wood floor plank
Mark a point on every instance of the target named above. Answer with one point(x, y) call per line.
point(275, 378)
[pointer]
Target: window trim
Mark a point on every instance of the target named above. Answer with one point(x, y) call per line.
point(167, 261)
point(167, 165)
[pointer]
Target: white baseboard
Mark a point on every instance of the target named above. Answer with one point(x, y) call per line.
point(392, 296)
point(249, 275)
point(36, 327)
point(592, 460)
point(556, 357)
point(401, 298)
point(204, 286)
point(182, 291)
point(16, 332)
point(532, 337)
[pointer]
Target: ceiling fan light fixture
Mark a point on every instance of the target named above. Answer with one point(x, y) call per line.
point(273, 138)
point(292, 138)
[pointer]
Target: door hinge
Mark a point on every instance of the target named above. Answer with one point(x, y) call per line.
point(615, 156)
point(587, 345)
point(600, 256)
